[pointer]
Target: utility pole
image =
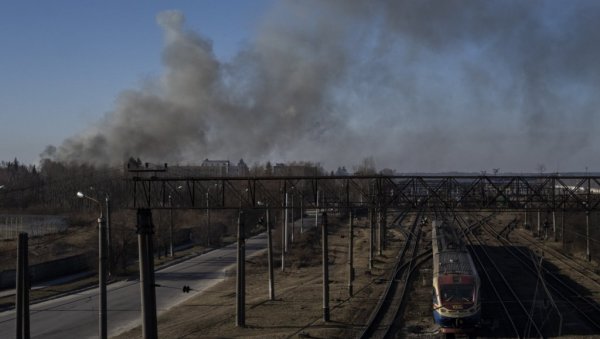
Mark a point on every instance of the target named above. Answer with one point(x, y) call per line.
point(293, 221)
point(147, 285)
point(317, 211)
point(20, 285)
point(207, 217)
point(325, 260)
point(270, 257)
point(371, 236)
point(587, 234)
point(301, 214)
point(26, 287)
point(525, 222)
point(240, 320)
point(562, 227)
point(283, 226)
point(554, 224)
point(538, 224)
point(102, 248)
point(171, 252)
point(383, 228)
point(108, 237)
point(379, 230)
point(285, 229)
point(350, 254)
point(22, 288)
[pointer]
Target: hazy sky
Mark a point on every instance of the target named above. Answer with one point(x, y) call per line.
point(418, 85)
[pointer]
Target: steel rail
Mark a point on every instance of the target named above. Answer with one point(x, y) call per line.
point(557, 280)
point(504, 280)
point(404, 287)
point(496, 292)
point(582, 270)
point(380, 309)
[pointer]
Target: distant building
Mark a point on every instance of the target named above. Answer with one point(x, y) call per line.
point(223, 168)
point(242, 169)
point(215, 168)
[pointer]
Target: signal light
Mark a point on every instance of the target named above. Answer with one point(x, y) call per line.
point(186, 289)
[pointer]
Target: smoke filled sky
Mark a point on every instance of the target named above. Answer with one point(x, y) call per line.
point(425, 85)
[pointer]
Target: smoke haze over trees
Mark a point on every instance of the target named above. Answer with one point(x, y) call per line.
point(416, 85)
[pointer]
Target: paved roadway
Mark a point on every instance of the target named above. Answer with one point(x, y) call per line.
point(76, 315)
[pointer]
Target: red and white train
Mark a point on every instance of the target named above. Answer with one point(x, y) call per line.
point(456, 301)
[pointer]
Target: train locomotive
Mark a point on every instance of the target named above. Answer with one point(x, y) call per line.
point(456, 301)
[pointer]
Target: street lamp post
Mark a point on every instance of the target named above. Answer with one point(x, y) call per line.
point(102, 310)
point(109, 251)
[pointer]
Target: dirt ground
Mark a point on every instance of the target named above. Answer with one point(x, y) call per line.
point(297, 309)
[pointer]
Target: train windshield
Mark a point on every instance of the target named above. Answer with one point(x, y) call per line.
point(457, 292)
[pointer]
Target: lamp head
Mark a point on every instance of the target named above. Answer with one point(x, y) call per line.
point(80, 195)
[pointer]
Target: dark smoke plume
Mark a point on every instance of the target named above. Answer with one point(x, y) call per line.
point(419, 85)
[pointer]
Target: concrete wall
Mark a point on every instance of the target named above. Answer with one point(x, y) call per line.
point(49, 270)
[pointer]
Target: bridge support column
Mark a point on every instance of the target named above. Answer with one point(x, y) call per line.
point(22, 287)
point(145, 229)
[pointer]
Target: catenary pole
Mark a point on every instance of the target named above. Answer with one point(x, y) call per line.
point(325, 259)
point(270, 259)
point(241, 279)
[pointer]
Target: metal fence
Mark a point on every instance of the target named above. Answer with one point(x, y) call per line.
point(34, 225)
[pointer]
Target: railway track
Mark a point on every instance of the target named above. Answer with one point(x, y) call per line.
point(579, 312)
point(561, 260)
point(384, 322)
point(512, 314)
point(525, 294)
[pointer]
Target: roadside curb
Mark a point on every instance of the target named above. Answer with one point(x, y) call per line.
point(111, 281)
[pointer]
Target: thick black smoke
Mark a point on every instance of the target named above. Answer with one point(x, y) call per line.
point(419, 85)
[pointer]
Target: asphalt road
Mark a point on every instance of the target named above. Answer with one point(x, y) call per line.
point(76, 315)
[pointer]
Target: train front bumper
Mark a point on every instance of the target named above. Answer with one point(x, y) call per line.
point(464, 322)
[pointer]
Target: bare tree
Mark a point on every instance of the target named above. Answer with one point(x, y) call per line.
point(366, 166)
